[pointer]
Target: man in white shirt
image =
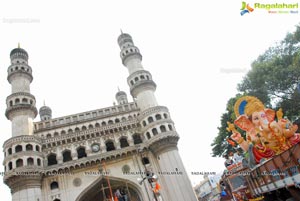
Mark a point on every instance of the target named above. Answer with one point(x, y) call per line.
point(237, 157)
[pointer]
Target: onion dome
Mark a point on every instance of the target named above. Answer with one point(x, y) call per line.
point(45, 113)
point(121, 97)
point(19, 53)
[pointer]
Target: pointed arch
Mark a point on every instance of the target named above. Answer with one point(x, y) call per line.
point(110, 146)
point(52, 159)
point(81, 152)
point(67, 155)
point(93, 192)
point(123, 142)
point(19, 162)
point(137, 139)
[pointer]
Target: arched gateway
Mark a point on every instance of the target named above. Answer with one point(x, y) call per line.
point(99, 190)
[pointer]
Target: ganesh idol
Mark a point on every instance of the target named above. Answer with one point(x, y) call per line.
point(265, 137)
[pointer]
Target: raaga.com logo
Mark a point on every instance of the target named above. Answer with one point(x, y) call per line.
point(280, 8)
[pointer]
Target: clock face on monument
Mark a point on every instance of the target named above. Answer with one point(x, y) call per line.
point(95, 147)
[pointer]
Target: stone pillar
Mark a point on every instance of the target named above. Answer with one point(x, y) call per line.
point(59, 156)
point(74, 153)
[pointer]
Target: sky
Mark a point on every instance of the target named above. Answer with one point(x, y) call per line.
point(196, 51)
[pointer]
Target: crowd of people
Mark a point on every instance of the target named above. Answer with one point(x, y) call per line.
point(120, 195)
point(235, 158)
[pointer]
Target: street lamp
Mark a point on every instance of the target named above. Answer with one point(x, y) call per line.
point(152, 179)
point(150, 176)
point(140, 180)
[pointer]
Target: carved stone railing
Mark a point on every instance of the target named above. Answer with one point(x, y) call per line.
point(22, 138)
point(92, 159)
point(84, 117)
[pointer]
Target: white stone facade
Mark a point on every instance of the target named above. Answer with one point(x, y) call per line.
point(88, 156)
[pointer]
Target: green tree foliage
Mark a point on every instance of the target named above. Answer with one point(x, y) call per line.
point(275, 74)
point(220, 145)
point(273, 79)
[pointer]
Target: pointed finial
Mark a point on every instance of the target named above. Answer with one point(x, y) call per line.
point(19, 45)
point(44, 103)
point(121, 31)
point(118, 88)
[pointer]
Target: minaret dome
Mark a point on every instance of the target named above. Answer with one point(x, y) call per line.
point(129, 52)
point(19, 55)
point(121, 97)
point(45, 113)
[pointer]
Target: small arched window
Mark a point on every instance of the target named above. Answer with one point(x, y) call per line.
point(110, 146)
point(123, 142)
point(148, 135)
point(67, 156)
point(24, 100)
point(9, 165)
point(52, 159)
point(70, 131)
point(110, 122)
point(39, 162)
point(144, 123)
point(37, 148)
point(154, 131)
point(117, 120)
point(18, 148)
point(54, 185)
point(163, 128)
point(150, 120)
point(145, 160)
point(30, 161)
point(81, 152)
point(103, 123)
point(49, 135)
point(83, 128)
point(137, 139)
point(19, 163)
point(17, 101)
point(91, 126)
point(170, 127)
point(97, 125)
point(29, 147)
point(165, 116)
point(158, 117)
point(9, 151)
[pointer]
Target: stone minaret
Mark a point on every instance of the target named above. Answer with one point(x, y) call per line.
point(21, 108)
point(157, 127)
point(121, 97)
point(45, 113)
point(23, 158)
